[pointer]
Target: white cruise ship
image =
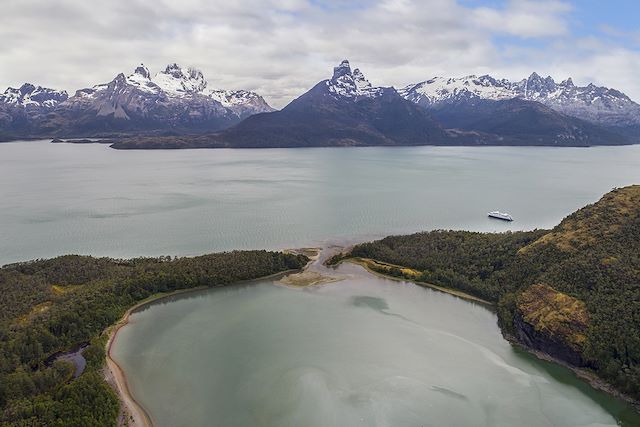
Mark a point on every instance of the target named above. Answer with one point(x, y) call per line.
point(500, 215)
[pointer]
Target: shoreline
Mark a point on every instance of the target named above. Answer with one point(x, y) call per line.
point(592, 379)
point(132, 412)
point(460, 294)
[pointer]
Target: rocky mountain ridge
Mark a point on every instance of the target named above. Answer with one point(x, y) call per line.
point(176, 99)
point(595, 104)
point(178, 102)
point(347, 110)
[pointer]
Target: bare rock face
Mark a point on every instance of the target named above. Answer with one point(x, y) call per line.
point(553, 323)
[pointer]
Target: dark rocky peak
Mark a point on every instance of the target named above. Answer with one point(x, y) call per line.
point(174, 70)
point(26, 88)
point(143, 71)
point(344, 69)
point(567, 83)
point(351, 84)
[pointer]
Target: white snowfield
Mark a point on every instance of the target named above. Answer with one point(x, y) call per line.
point(179, 82)
point(29, 95)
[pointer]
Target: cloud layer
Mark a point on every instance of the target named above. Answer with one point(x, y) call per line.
point(280, 48)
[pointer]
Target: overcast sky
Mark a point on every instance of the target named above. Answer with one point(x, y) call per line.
point(280, 48)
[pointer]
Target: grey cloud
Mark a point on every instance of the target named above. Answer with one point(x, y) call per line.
point(282, 47)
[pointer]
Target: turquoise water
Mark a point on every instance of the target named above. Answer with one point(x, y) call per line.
point(90, 199)
point(364, 351)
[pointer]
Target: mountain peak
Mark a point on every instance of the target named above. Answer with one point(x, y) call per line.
point(595, 104)
point(174, 70)
point(29, 95)
point(351, 84)
point(143, 71)
point(178, 80)
point(341, 70)
point(535, 76)
point(27, 88)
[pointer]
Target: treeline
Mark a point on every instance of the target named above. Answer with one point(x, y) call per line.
point(593, 255)
point(54, 305)
point(456, 259)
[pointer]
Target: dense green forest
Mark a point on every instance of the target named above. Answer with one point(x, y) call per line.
point(591, 260)
point(54, 305)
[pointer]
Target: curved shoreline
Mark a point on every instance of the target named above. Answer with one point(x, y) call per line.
point(460, 294)
point(585, 375)
point(132, 412)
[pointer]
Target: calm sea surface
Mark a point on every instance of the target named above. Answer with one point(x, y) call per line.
point(89, 199)
point(363, 351)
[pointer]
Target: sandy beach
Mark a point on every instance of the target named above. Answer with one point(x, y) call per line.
point(132, 413)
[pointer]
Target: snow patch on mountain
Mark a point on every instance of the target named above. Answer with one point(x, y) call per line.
point(178, 81)
point(442, 89)
point(351, 84)
point(30, 96)
point(175, 84)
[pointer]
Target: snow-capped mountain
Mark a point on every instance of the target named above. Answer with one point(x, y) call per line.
point(595, 104)
point(176, 99)
point(348, 110)
point(344, 110)
point(30, 96)
point(173, 85)
point(351, 84)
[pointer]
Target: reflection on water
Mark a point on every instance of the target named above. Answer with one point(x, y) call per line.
point(377, 304)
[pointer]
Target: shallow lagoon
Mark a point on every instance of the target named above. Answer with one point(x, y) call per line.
point(364, 351)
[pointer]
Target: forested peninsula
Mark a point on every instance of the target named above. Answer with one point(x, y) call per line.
point(60, 304)
point(572, 292)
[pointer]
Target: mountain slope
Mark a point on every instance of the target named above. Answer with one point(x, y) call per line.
point(520, 122)
point(22, 109)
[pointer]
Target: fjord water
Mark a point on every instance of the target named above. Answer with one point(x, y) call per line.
point(365, 351)
point(90, 199)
